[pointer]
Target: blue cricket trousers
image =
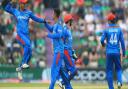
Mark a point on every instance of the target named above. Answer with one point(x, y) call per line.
point(24, 41)
point(70, 63)
point(113, 60)
point(57, 70)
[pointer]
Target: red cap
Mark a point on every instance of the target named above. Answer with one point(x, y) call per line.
point(23, 1)
point(111, 16)
point(67, 17)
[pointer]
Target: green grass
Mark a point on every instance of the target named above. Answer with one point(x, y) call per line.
point(45, 86)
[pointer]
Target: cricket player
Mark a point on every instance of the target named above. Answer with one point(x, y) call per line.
point(22, 16)
point(69, 53)
point(114, 37)
point(56, 34)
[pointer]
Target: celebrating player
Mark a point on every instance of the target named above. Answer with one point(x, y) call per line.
point(69, 54)
point(113, 36)
point(22, 16)
point(57, 35)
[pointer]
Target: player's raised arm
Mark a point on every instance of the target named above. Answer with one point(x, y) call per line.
point(49, 27)
point(103, 37)
point(122, 43)
point(41, 20)
point(55, 35)
point(8, 6)
point(37, 19)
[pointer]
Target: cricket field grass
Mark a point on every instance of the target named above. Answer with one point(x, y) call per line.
point(45, 86)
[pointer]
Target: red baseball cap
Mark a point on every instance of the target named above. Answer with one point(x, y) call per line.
point(111, 16)
point(68, 17)
point(23, 1)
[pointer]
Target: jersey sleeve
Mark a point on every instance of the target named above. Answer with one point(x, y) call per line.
point(103, 37)
point(35, 18)
point(56, 35)
point(49, 27)
point(8, 8)
point(122, 43)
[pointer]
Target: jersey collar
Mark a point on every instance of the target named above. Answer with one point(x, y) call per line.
point(112, 25)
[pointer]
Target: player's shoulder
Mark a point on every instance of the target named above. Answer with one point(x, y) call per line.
point(113, 28)
point(58, 27)
point(118, 28)
point(104, 30)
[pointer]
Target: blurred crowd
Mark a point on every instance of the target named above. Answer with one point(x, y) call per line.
point(89, 23)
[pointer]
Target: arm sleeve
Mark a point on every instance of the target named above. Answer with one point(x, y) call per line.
point(9, 8)
point(103, 37)
point(35, 18)
point(56, 35)
point(122, 43)
point(49, 27)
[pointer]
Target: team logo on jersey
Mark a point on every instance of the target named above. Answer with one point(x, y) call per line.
point(59, 30)
point(22, 17)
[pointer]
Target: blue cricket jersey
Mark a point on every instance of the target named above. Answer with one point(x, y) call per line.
point(67, 37)
point(22, 18)
point(56, 36)
point(113, 36)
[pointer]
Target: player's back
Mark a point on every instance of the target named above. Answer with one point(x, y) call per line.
point(113, 36)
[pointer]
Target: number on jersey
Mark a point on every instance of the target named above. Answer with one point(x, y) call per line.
point(113, 39)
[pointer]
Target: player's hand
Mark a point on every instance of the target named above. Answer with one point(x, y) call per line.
point(45, 21)
point(74, 55)
point(43, 17)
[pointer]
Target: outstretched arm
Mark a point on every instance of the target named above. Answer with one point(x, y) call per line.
point(49, 27)
point(35, 18)
point(41, 20)
point(8, 6)
point(103, 37)
point(54, 36)
point(58, 34)
point(122, 43)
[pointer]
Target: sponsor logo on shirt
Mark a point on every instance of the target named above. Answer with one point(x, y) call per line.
point(22, 17)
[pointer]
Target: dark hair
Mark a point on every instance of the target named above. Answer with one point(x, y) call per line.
point(57, 12)
point(70, 21)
